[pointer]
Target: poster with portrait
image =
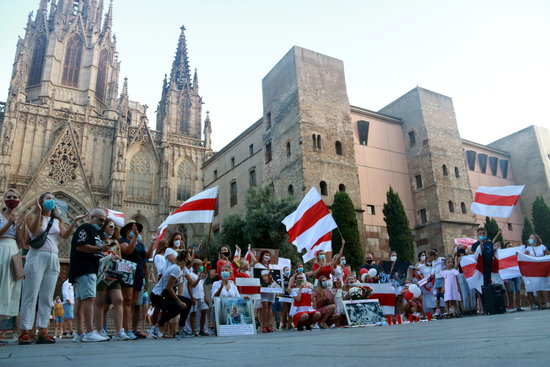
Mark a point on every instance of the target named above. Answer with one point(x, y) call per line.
point(234, 316)
point(111, 270)
point(269, 284)
point(363, 312)
point(394, 271)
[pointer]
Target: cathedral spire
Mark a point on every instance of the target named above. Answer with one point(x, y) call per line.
point(207, 131)
point(196, 82)
point(124, 93)
point(108, 23)
point(180, 74)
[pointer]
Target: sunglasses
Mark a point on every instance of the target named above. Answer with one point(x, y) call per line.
point(112, 227)
point(101, 220)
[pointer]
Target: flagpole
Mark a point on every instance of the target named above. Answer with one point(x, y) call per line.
point(500, 231)
point(208, 240)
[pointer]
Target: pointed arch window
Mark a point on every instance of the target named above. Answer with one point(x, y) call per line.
point(37, 63)
point(71, 64)
point(184, 180)
point(101, 81)
point(140, 176)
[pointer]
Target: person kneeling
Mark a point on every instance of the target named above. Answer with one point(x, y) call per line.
point(302, 311)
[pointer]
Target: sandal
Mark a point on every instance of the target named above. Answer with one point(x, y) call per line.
point(45, 339)
point(204, 333)
point(140, 335)
point(25, 338)
point(168, 336)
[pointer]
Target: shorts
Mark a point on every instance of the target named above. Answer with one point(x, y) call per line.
point(438, 282)
point(277, 306)
point(85, 286)
point(59, 319)
point(68, 311)
point(515, 284)
point(157, 300)
point(200, 305)
point(138, 282)
point(143, 298)
point(102, 286)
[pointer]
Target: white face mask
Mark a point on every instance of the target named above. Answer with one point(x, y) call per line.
point(393, 258)
point(423, 258)
point(177, 243)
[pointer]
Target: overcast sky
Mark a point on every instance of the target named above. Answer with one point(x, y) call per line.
point(491, 57)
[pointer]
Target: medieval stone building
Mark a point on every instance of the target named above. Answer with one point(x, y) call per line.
point(68, 129)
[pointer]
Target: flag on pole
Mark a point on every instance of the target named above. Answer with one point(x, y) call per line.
point(117, 217)
point(385, 294)
point(197, 209)
point(496, 201)
point(472, 267)
point(310, 226)
point(161, 232)
point(508, 267)
point(535, 272)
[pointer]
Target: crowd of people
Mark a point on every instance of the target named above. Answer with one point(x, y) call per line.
point(179, 304)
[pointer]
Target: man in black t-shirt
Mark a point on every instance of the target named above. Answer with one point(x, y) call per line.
point(370, 264)
point(86, 246)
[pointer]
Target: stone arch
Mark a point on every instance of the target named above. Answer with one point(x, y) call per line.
point(186, 174)
point(141, 173)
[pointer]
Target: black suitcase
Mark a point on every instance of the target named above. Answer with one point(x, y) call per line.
point(493, 299)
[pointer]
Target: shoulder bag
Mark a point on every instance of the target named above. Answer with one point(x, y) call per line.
point(39, 241)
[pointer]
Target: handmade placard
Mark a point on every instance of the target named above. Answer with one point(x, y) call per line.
point(234, 316)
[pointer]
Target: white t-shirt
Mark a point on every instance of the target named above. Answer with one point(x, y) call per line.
point(232, 292)
point(437, 266)
point(198, 290)
point(536, 251)
point(10, 233)
point(53, 237)
point(67, 291)
point(170, 251)
point(171, 271)
point(160, 262)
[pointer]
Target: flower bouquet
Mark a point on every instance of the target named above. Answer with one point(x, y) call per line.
point(360, 292)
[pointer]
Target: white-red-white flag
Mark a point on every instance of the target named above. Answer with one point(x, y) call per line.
point(535, 272)
point(117, 217)
point(161, 232)
point(496, 201)
point(248, 285)
point(508, 267)
point(197, 209)
point(466, 242)
point(472, 267)
point(385, 294)
point(310, 226)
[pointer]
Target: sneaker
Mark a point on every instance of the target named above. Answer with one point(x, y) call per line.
point(155, 332)
point(120, 335)
point(77, 338)
point(103, 333)
point(131, 335)
point(94, 336)
point(437, 312)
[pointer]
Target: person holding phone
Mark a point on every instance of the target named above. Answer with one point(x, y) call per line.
point(195, 292)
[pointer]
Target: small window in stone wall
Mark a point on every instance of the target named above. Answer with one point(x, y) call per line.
point(445, 170)
point(232, 162)
point(504, 167)
point(215, 174)
point(463, 207)
point(371, 210)
point(288, 149)
point(323, 188)
point(268, 120)
point(291, 190)
point(493, 164)
point(423, 216)
point(412, 139)
point(338, 147)
point(268, 153)
point(457, 172)
point(252, 177)
point(342, 188)
point(418, 179)
point(482, 158)
point(233, 193)
point(471, 159)
point(319, 142)
point(251, 150)
point(510, 228)
point(363, 130)
point(451, 206)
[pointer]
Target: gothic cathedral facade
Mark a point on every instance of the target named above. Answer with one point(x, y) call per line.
point(67, 128)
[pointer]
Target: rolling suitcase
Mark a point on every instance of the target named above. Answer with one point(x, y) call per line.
point(493, 299)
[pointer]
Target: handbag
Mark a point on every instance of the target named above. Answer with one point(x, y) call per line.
point(16, 264)
point(39, 241)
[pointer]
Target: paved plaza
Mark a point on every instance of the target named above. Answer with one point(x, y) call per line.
point(513, 339)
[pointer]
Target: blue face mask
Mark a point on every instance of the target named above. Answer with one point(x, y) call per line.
point(225, 274)
point(343, 261)
point(482, 238)
point(139, 238)
point(531, 241)
point(300, 270)
point(324, 284)
point(49, 204)
point(96, 226)
point(321, 257)
point(287, 273)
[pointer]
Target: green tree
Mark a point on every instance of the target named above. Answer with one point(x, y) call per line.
point(397, 223)
point(343, 212)
point(233, 231)
point(527, 230)
point(492, 229)
point(541, 219)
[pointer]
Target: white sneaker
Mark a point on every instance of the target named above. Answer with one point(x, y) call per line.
point(120, 335)
point(155, 332)
point(93, 337)
point(131, 335)
point(103, 333)
point(77, 338)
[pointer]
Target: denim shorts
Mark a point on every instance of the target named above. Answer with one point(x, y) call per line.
point(85, 286)
point(515, 284)
point(68, 311)
point(59, 319)
point(439, 282)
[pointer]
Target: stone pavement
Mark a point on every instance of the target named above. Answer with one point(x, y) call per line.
point(513, 339)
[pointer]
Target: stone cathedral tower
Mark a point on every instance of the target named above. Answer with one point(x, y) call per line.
point(67, 129)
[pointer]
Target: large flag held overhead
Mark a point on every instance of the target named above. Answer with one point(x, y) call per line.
point(535, 272)
point(117, 217)
point(496, 201)
point(197, 209)
point(310, 226)
point(508, 262)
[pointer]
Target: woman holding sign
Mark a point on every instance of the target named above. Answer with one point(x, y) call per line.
point(267, 299)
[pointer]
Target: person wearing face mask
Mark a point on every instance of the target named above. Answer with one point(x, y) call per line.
point(266, 299)
point(286, 320)
point(468, 295)
point(42, 268)
point(371, 264)
point(535, 248)
point(224, 258)
point(298, 270)
point(134, 250)
point(302, 311)
point(195, 292)
point(86, 249)
point(488, 251)
point(322, 267)
point(10, 289)
point(225, 287)
point(323, 300)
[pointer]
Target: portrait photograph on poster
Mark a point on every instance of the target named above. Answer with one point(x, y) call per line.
point(234, 316)
point(363, 312)
point(271, 280)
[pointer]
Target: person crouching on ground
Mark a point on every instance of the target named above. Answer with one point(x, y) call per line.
point(324, 303)
point(302, 311)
